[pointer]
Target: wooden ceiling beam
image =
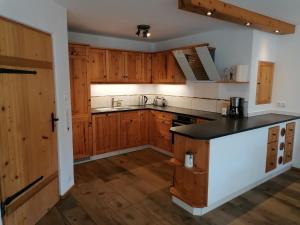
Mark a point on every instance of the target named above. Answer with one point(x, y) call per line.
point(231, 13)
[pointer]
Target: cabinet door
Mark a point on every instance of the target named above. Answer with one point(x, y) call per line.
point(175, 74)
point(82, 134)
point(80, 94)
point(130, 126)
point(106, 132)
point(147, 68)
point(97, 65)
point(159, 67)
point(133, 67)
point(144, 127)
point(116, 66)
point(264, 83)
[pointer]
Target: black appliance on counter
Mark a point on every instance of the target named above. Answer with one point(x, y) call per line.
point(236, 108)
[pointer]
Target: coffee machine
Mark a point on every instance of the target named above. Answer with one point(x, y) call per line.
point(236, 109)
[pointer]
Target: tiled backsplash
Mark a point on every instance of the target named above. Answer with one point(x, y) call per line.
point(212, 105)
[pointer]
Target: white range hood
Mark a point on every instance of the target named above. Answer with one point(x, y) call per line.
point(197, 64)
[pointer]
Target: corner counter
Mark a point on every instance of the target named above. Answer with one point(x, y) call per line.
point(230, 158)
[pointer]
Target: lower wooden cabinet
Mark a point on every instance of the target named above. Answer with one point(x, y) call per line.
point(130, 129)
point(289, 142)
point(273, 138)
point(82, 137)
point(160, 124)
point(144, 126)
point(106, 132)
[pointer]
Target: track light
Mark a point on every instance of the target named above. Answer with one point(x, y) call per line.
point(209, 13)
point(144, 29)
point(277, 31)
point(248, 24)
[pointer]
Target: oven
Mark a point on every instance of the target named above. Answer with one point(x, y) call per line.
point(181, 120)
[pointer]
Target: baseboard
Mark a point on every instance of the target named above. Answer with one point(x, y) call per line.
point(114, 153)
point(202, 211)
point(162, 151)
point(296, 165)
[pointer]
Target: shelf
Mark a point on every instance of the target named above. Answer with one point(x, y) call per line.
point(175, 162)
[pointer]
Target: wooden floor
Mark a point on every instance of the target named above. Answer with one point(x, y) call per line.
point(133, 189)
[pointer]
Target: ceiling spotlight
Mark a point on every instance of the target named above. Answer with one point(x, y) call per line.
point(209, 13)
point(144, 30)
point(277, 31)
point(248, 24)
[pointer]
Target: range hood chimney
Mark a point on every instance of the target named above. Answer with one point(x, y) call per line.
point(197, 63)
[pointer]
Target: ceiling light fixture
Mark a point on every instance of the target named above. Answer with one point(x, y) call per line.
point(144, 29)
point(248, 24)
point(277, 31)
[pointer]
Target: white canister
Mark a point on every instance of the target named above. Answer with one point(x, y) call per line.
point(189, 160)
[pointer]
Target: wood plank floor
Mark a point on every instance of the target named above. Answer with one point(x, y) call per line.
point(133, 189)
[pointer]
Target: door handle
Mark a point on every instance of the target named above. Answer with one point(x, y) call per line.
point(53, 121)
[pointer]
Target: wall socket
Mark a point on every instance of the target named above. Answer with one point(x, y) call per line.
point(281, 104)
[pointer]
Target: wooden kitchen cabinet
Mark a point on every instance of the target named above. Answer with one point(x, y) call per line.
point(133, 67)
point(82, 137)
point(97, 69)
point(116, 66)
point(144, 126)
point(147, 68)
point(80, 85)
point(174, 72)
point(159, 67)
point(160, 124)
point(272, 150)
point(289, 142)
point(106, 132)
point(130, 129)
point(264, 82)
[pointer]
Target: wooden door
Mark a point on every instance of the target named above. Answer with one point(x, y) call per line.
point(28, 149)
point(144, 127)
point(82, 134)
point(147, 68)
point(106, 132)
point(130, 127)
point(133, 67)
point(97, 65)
point(174, 72)
point(80, 95)
point(116, 66)
point(159, 67)
point(264, 83)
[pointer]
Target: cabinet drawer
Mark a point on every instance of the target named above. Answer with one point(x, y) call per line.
point(271, 161)
point(162, 115)
point(272, 147)
point(134, 115)
point(273, 134)
point(290, 129)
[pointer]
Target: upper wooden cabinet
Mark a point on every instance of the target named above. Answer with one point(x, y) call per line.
point(133, 67)
point(165, 69)
point(147, 68)
point(116, 66)
point(97, 65)
point(159, 67)
point(175, 74)
point(80, 84)
point(264, 82)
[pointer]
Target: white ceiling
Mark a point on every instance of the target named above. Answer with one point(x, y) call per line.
point(119, 17)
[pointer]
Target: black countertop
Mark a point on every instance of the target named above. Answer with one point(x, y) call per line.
point(216, 127)
point(190, 112)
point(226, 126)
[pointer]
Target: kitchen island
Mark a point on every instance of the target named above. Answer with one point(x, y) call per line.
point(230, 158)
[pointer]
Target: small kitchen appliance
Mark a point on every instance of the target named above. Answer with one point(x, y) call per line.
point(236, 109)
point(143, 100)
point(160, 101)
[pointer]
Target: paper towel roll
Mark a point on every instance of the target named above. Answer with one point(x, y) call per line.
point(241, 73)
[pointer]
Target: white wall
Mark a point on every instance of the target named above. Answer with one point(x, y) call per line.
point(264, 48)
point(110, 42)
point(49, 17)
